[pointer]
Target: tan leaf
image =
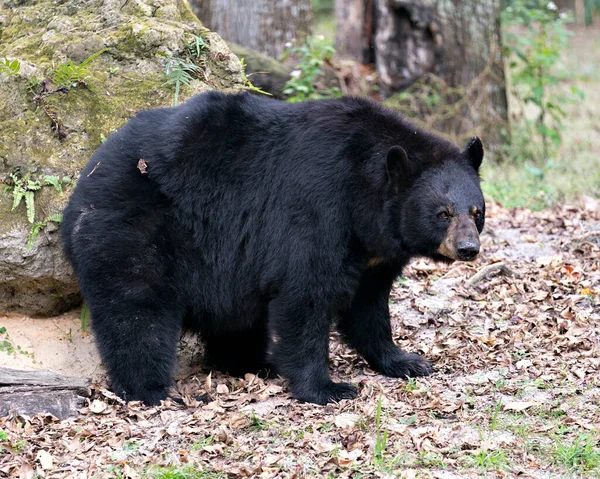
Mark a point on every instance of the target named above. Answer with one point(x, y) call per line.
point(346, 420)
point(99, 407)
point(45, 460)
point(518, 405)
point(26, 471)
point(142, 166)
point(222, 389)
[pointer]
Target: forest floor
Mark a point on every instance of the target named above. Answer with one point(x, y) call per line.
point(515, 341)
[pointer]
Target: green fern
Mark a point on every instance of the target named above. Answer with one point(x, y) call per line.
point(53, 181)
point(23, 188)
point(37, 228)
point(68, 75)
point(178, 72)
point(197, 46)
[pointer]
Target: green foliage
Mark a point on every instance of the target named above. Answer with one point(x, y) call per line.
point(535, 35)
point(522, 186)
point(247, 81)
point(380, 437)
point(10, 68)
point(489, 460)
point(197, 46)
point(307, 81)
point(183, 472)
point(179, 71)
point(411, 385)
point(257, 424)
point(6, 345)
point(581, 454)
point(68, 75)
point(38, 226)
point(23, 187)
point(591, 6)
point(85, 317)
point(182, 70)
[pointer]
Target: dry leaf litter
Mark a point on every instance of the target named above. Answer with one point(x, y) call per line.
point(514, 338)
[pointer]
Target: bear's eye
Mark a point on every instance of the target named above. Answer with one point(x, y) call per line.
point(444, 215)
point(478, 215)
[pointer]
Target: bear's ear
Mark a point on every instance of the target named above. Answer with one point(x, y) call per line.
point(474, 152)
point(398, 168)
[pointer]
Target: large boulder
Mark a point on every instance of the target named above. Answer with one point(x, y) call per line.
point(54, 113)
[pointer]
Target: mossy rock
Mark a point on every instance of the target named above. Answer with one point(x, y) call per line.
point(136, 38)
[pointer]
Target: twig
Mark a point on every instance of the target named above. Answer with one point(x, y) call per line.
point(94, 169)
point(486, 271)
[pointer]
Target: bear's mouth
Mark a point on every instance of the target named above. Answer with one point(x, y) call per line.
point(440, 258)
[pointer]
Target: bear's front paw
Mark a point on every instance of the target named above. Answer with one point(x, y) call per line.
point(327, 393)
point(406, 365)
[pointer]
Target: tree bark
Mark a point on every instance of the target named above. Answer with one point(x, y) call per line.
point(261, 25)
point(354, 29)
point(32, 392)
point(457, 42)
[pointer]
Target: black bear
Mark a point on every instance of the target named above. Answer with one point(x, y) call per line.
point(261, 224)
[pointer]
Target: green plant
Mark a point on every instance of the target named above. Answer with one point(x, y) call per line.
point(488, 460)
point(179, 71)
point(534, 60)
point(257, 424)
point(182, 472)
point(10, 68)
point(494, 415)
point(38, 226)
point(197, 46)
point(23, 187)
point(68, 75)
point(411, 385)
point(198, 445)
point(431, 459)
point(581, 454)
point(308, 81)
point(248, 83)
point(380, 436)
point(85, 317)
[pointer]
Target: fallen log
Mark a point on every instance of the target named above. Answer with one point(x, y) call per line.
point(32, 392)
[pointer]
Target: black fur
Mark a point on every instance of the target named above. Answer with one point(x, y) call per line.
point(257, 224)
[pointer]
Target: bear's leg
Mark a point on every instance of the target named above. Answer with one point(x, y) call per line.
point(301, 350)
point(240, 352)
point(366, 327)
point(138, 346)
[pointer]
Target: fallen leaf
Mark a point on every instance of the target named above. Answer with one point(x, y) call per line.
point(45, 460)
point(142, 166)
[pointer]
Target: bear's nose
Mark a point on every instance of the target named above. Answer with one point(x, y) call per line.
point(467, 250)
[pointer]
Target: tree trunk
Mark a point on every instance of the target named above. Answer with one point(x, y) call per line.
point(354, 25)
point(447, 53)
point(261, 25)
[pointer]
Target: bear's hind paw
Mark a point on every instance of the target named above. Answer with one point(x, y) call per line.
point(407, 365)
point(331, 392)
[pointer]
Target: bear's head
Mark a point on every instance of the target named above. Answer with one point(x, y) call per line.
point(442, 208)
